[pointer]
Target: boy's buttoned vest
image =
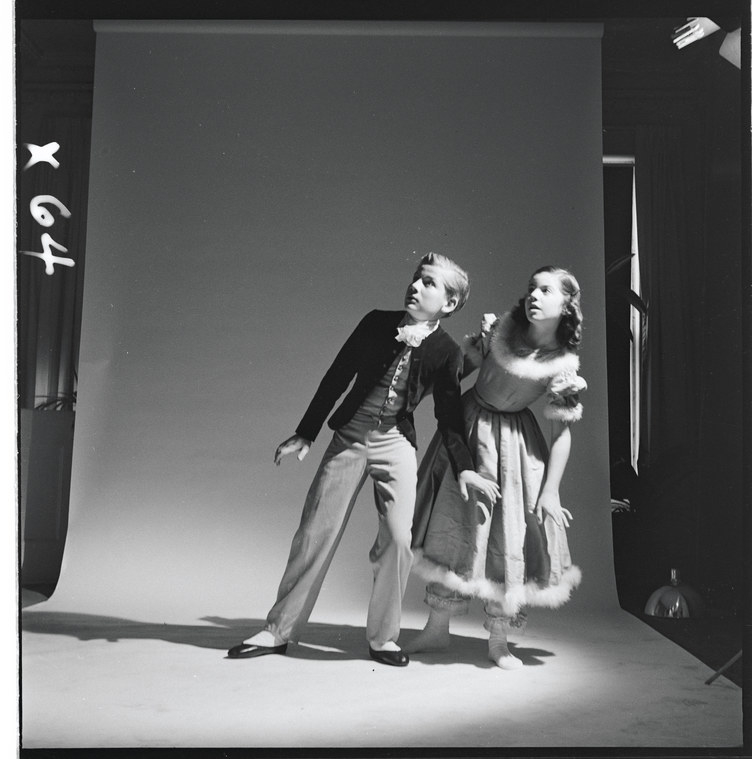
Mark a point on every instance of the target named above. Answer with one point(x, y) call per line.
point(435, 365)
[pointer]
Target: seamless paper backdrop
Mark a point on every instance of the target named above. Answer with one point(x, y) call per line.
point(254, 190)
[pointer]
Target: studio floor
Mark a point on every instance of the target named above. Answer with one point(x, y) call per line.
point(590, 680)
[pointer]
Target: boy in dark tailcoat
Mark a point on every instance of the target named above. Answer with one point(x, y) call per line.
point(396, 358)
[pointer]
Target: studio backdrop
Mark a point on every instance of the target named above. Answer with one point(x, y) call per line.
point(256, 188)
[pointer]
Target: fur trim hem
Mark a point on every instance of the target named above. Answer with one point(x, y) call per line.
point(563, 413)
point(517, 361)
point(512, 600)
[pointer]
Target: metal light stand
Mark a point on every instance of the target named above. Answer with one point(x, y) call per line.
point(720, 671)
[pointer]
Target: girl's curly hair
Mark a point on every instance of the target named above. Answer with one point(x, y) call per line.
point(569, 331)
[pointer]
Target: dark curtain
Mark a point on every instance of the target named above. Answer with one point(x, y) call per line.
point(49, 306)
point(670, 269)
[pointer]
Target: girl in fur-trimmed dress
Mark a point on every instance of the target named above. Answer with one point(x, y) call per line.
point(512, 553)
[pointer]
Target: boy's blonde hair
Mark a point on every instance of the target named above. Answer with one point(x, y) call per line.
point(456, 281)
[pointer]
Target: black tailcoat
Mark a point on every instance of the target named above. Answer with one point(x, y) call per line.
point(435, 366)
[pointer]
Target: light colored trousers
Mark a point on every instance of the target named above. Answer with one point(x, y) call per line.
point(362, 447)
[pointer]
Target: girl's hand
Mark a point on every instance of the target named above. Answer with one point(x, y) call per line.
point(467, 478)
point(291, 445)
point(551, 505)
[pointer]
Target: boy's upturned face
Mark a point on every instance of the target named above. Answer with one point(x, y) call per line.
point(426, 298)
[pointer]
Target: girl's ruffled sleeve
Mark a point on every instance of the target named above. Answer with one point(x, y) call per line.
point(564, 397)
point(475, 345)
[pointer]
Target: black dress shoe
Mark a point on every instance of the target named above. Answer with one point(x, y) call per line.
point(392, 658)
point(250, 650)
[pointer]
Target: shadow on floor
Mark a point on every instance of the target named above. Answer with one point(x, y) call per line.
point(324, 642)
point(113, 629)
point(463, 650)
point(336, 642)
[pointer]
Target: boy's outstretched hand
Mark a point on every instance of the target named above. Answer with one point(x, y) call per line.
point(291, 445)
point(470, 479)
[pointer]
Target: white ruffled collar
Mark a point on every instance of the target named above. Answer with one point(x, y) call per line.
point(413, 334)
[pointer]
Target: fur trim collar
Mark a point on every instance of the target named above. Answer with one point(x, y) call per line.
point(525, 362)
